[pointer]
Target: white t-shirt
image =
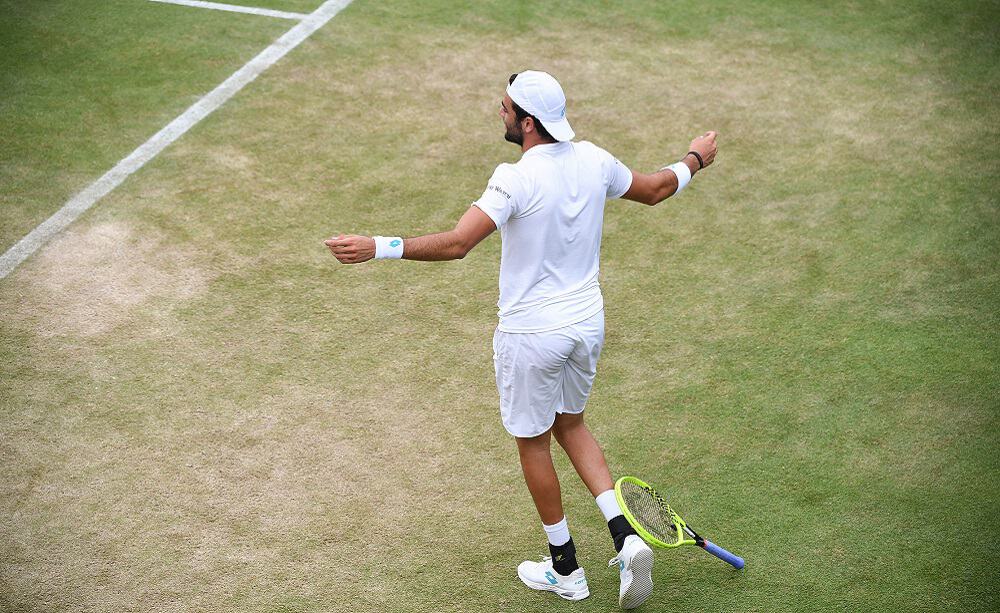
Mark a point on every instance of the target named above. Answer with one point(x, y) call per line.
point(549, 207)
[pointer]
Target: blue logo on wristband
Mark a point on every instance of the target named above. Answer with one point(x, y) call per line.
point(395, 243)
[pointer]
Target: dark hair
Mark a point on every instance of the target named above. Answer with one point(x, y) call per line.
point(521, 114)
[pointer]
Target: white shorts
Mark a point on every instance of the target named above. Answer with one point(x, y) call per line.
point(544, 373)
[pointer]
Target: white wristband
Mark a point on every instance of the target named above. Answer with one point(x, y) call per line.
point(388, 247)
point(683, 174)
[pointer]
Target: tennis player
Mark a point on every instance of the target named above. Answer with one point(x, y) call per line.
point(549, 207)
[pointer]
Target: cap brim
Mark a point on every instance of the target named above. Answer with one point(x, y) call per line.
point(559, 129)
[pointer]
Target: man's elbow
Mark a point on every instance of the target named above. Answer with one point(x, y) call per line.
point(462, 248)
point(661, 194)
point(653, 196)
point(654, 199)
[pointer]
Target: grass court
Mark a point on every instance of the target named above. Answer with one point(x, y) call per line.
point(201, 410)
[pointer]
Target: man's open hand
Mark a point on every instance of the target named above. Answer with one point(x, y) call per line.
point(351, 248)
point(705, 146)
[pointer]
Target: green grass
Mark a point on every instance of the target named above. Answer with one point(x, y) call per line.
point(201, 410)
point(87, 82)
point(295, 6)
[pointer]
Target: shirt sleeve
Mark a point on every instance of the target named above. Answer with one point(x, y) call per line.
point(503, 195)
point(617, 176)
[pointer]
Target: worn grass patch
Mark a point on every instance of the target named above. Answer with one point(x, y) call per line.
point(92, 280)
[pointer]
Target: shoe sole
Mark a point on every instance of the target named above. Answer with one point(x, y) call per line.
point(545, 587)
point(642, 580)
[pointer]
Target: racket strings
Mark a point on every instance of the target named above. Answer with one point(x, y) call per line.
point(650, 511)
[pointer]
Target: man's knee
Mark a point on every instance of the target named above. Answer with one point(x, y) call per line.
point(566, 423)
point(533, 444)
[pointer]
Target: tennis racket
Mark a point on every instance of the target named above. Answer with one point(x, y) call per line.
point(657, 523)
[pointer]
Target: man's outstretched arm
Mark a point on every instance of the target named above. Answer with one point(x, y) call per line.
point(472, 228)
point(654, 188)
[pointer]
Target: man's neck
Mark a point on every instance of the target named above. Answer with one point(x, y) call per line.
point(532, 139)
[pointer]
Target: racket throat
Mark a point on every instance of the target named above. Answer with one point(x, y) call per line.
point(697, 539)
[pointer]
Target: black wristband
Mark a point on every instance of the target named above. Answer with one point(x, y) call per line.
point(701, 162)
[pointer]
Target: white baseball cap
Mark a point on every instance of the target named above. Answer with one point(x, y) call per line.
point(540, 95)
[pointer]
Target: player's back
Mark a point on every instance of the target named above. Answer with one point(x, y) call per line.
point(549, 207)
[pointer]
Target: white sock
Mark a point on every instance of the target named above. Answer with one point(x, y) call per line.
point(608, 504)
point(558, 533)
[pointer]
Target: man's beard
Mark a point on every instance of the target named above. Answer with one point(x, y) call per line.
point(514, 137)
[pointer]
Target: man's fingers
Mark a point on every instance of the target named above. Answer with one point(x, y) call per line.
point(711, 134)
point(339, 243)
point(347, 248)
point(334, 240)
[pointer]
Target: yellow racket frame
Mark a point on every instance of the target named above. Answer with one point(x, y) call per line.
point(646, 536)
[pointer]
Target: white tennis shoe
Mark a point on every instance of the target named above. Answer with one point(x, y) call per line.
point(635, 565)
point(541, 576)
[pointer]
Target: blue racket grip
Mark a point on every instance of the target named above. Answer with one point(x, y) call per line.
point(722, 554)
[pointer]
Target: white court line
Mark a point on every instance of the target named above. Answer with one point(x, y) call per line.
point(235, 8)
point(171, 132)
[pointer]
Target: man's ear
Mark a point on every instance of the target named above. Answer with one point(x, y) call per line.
point(530, 126)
